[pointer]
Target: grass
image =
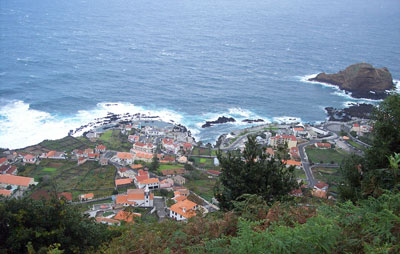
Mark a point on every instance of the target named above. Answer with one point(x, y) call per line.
point(69, 177)
point(170, 166)
point(106, 136)
point(325, 155)
point(115, 140)
point(329, 175)
point(203, 162)
point(203, 187)
point(49, 169)
point(300, 173)
point(356, 145)
point(66, 144)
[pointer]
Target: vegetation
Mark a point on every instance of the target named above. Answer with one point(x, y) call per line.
point(155, 164)
point(115, 140)
point(324, 155)
point(66, 144)
point(252, 172)
point(39, 226)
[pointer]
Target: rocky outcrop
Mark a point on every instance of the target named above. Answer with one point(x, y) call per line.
point(252, 121)
point(362, 80)
point(220, 120)
point(358, 110)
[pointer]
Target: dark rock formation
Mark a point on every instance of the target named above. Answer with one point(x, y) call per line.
point(220, 120)
point(358, 110)
point(362, 80)
point(252, 121)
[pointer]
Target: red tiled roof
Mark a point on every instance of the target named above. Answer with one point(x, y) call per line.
point(87, 195)
point(356, 125)
point(291, 162)
point(126, 216)
point(298, 129)
point(321, 185)
point(150, 181)
point(125, 156)
point(139, 144)
point(93, 155)
point(123, 181)
point(67, 195)
point(5, 192)
point(176, 171)
point(2, 160)
point(11, 170)
point(291, 137)
point(101, 147)
point(16, 180)
point(137, 166)
point(327, 145)
point(187, 205)
point(141, 178)
point(122, 170)
point(167, 141)
point(214, 172)
point(29, 157)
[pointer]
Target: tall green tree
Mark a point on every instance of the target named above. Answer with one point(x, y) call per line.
point(386, 133)
point(253, 172)
point(155, 164)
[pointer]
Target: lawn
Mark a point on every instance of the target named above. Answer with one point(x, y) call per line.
point(115, 140)
point(203, 151)
point(49, 169)
point(324, 155)
point(170, 166)
point(300, 173)
point(66, 144)
point(201, 185)
point(69, 177)
point(356, 145)
point(203, 162)
point(106, 136)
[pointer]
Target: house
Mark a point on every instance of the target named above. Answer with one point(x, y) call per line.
point(187, 147)
point(151, 183)
point(169, 145)
point(142, 175)
point(133, 138)
point(137, 166)
point(12, 170)
point(299, 131)
point(3, 161)
point(166, 183)
point(87, 151)
point(66, 195)
point(136, 197)
point(321, 186)
point(356, 128)
point(124, 158)
point(292, 163)
point(4, 168)
point(29, 158)
point(123, 181)
point(93, 156)
point(173, 172)
point(78, 153)
point(296, 193)
point(270, 152)
point(108, 221)
point(323, 145)
point(53, 155)
point(16, 181)
point(5, 193)
point(180, 180)
point(182, 192)
point(294, 153)
point(142, 156)
point(85, 197)
point(183, 210)
point(319, 193)
point(279, 140)
point(126, 216)
point(126, 172)
point(100, 149)
point(103, 162)
point(141, 147)
point(182, 159)
point(81, 160)
point(213, 172)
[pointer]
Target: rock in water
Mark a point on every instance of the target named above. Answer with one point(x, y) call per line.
point(362, 80)
point(220, 120)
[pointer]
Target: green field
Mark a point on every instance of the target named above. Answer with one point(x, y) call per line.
point(106, 136)
point(203, 162)
point(49, 169)
point(300, 173)
point(170, 166)
point(67, 176)
point(115, 140)
point(66, 144)
point(202, 185)
point(356, 145)
point(325, 155)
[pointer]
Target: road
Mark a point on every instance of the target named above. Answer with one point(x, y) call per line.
point(159, 204)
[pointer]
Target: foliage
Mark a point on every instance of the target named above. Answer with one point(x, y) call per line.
point(386, 134)
point(47, 226)
point(188, 167)
point(252, 172)
point(155, 164)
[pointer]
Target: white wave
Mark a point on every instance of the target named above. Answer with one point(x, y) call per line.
point(306, 79)
point(397, 85)
point(286, 119)
point(21, 126)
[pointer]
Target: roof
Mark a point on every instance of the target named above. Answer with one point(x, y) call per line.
point(101, 147)
point(141, 178)
point(186, 205)
point(142, 172)
point(16, 180)
point(150, 181)
point(187, 145)
point(291, 137)
point(89, 150)
point(87, 195)
point(175, 171)
point(123, 199)
point(103, 219)
point(123, 181)
point(294, 150)
point(126, 216)
point(122, 170)
point(214, 172)
point(5, 192)
point(167, 141)
point(270, 151)
point(319, 193)
point(2, 160)
point(292, 162)
point(51, 154)
point(11, 170)
point(137, 166)
point(67, 195)
point(29, 157)
point(180, 198)
point(323, 145)
point(321, 185)
point(182, 191)
point(296, 192)
point(139, 144)
point(356, 125)
point(93, 155)
point(124, 156)
point(346, 138)
point(298, 129)
point(144, 155)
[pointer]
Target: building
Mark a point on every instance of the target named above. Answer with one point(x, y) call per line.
point(100, 149)
point(81, 160)
point(142, 156)
point(85, 197)
point(182, 159)
point(5, 193)
point(323, 145)
point(151, 183)
point(180, 180)
point(29, 158)
point(126, 216)
point(173, 172)
point(66, 195)
point(124, 158)
point(123, 181)
point(281, 140)
point(136, 197)
point(141, 147)
point(166, 183)
point(294, 153)
point(270, 152)
point(292, 163)
point(187, 147)
point(108, 221)
point(16, 181)
point(3, 161)
point(133, 138)
point(93, 156)
point(53, 155)
point(103, 162)
point(126, 172)
point(183, 210)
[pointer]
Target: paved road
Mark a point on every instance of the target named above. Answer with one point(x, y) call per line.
point(159, 203)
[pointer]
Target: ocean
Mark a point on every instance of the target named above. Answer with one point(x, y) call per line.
point(190, 61)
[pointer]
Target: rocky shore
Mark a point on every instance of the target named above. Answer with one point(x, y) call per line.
point(220, 120)
point(361, 80)
point(363, 111)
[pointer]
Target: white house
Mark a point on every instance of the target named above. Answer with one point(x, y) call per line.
point(183, 210)
point(136, 197)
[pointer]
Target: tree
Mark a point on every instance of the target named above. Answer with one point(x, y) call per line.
point(155, 164)
point(188, 167)
point(386, 134)
point(252, 172)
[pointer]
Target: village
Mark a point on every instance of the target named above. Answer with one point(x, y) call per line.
point(122, 171)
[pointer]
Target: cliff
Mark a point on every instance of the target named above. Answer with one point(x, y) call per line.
point(362, 80)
